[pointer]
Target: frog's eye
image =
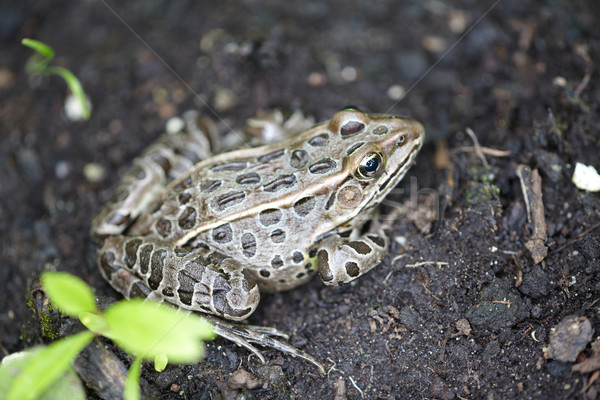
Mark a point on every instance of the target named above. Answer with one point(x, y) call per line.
point(371, 166)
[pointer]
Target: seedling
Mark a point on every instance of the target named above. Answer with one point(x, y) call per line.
point(147, 330)
point(38, 64)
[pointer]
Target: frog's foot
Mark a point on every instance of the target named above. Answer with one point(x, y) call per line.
point(244, 335)
point(271, 125)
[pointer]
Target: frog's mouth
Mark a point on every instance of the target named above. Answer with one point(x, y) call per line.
point(398, 174)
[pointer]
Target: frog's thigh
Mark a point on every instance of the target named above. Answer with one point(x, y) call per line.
point(342, 260)
point(167, 158)
point(203, 281)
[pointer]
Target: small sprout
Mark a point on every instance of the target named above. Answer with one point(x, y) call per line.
point(147, 330)
point(160, 362)
point(132, 383)
point(38, 64)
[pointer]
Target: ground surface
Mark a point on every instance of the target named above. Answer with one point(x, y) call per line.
point(471, 326)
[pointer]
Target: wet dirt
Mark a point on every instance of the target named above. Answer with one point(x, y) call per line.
point(458, 309)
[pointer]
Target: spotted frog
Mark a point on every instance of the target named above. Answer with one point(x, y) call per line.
point(208, 231)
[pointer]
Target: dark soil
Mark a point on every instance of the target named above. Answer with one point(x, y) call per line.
point(465, 312)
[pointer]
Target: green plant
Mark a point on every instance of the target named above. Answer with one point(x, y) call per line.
point(147, 330)
point(38, 64)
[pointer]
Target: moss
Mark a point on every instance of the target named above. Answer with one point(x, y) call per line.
point(481, 187)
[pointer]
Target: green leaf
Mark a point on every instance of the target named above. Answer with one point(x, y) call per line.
point(68, 386)
point(131, 391)
point(38, 46)
point(69, 293)
point(47, 366)
point(148, 329)
point(94, 322)
point(160, 362)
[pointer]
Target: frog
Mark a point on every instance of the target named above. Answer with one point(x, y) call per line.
point(208, 229)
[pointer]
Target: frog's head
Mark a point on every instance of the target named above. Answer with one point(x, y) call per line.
point(379, 149)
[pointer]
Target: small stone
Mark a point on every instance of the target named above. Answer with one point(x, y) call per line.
point(224, 100)
point(463, 326)
point(585, 177)
point(569, 338)
point(411, 319)
point(174, 125)
point(242, 379)
point(94, 172)
point(396, 92)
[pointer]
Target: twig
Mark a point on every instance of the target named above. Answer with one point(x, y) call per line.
point(362, 395)
point(476, 145)
point(531, 185)
point(485, 150)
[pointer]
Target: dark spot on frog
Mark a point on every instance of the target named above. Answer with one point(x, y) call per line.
point(319, 140)
point(380, 130)
point(297, 257)
point(248, 245)
point(184, 184)
point(131, 248)
point(264, 273)
point(282, 182)
point(270, 156)
point(322, 166)
point(360, 247)
point(222, 234)
point(270, 216)
point(138, 289)
point(351, 128)
point(323, 262)
point(184, 198)
point(277, 236)
point(377, 240)
point(209, 185)
point(277, 262)
point(187, 220)
point(304, 206)
point(163, 227)
point(227, 200)
point(145, 252)
point(298, 159)
point(352, 269)
point(248, 179)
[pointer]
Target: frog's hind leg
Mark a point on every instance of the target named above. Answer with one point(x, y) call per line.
point(171, 155)
point(203, 281)
point(200, 280)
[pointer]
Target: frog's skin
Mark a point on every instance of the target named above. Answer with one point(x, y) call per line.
point(207, 231)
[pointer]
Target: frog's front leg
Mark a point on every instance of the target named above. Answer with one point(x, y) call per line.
point(343, 259)
point(199, 280)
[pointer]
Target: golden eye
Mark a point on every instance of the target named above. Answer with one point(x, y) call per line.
point(371, 166)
